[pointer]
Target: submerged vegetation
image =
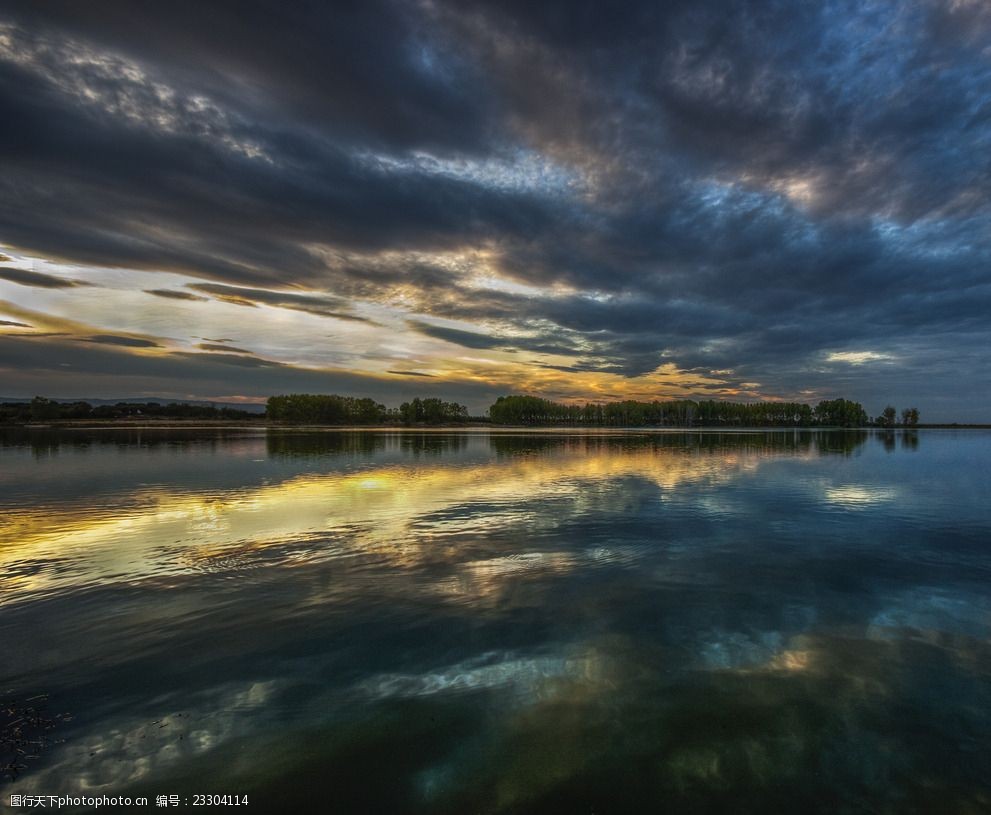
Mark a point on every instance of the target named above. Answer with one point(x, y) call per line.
point(26, 727)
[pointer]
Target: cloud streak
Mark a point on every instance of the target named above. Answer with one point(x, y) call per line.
point(125, 342)
point(170, 294)
point(24, 277)
point(224, 349)
point(321, 306)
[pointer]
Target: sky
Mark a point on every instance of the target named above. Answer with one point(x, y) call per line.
point(581, 201)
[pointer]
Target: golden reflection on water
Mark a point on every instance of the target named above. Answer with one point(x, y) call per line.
point(858, 495)
point(391, 511)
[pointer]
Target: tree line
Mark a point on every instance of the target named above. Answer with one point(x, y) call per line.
point(309, 408)
point(41, 409)
point(332, 409)
point(532, 410)
point(296, 408)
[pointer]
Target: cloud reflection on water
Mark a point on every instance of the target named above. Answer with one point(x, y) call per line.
point(393, 510)
point(527, 624)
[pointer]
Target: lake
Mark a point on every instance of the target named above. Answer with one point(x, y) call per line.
point(413, 622)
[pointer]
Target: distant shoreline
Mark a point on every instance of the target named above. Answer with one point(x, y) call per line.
point(263, 424)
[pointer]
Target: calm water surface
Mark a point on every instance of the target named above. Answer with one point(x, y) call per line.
point(459, 623)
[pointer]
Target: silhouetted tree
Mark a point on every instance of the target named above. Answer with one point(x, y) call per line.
point(43, 409)
point(840, 413)
point(910, 417)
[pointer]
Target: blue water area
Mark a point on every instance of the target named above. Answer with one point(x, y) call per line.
point(475, 622)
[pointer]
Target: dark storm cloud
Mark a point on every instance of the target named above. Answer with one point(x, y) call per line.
point(370, 72)
point(138, 170)
point(37, 279)
point(725, 184)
